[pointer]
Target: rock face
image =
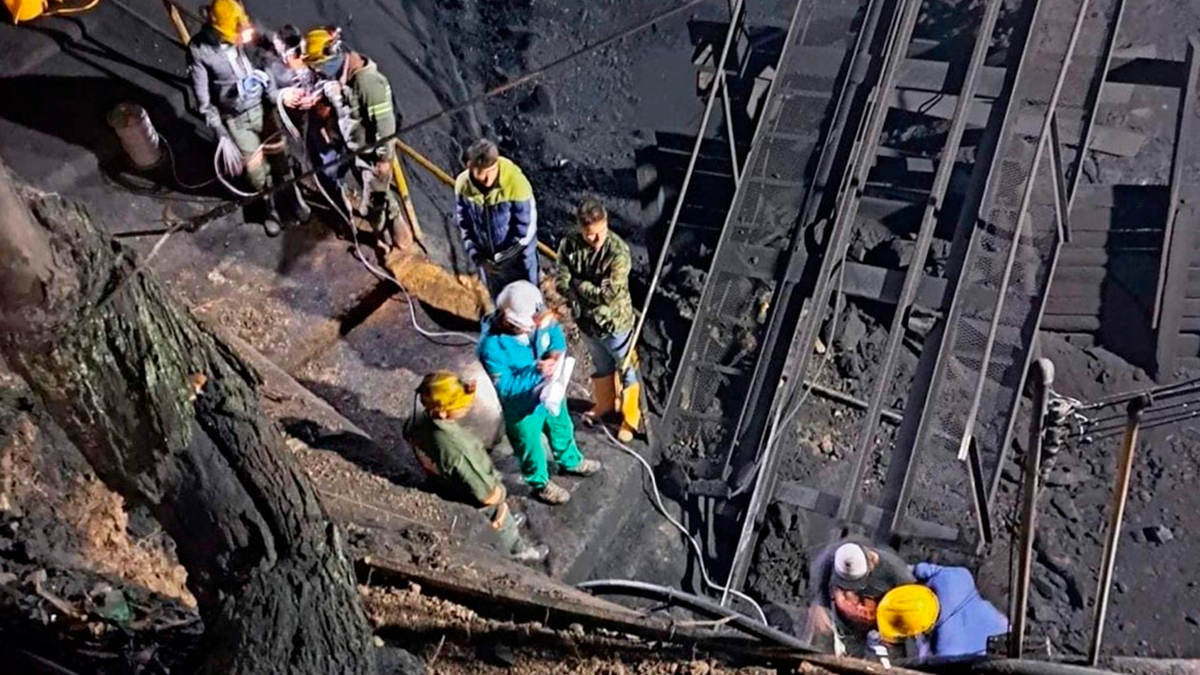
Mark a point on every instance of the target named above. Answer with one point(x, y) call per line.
point(168, 416)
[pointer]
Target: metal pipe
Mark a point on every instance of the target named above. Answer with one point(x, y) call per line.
point(1043, 381)
point(853, 401)
point(735, 13)
point(697, 603)
point(1119, 497)
point(425, 163)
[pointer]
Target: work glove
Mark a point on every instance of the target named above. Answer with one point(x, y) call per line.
point(229, 156)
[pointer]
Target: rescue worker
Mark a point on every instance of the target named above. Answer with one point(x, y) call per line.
point(234, 97)
point(358, 113)
point(497, 216)
point(281, 55)
point(520, 345)
point(849, 579)
point(458, 461)
point(593, 276)
point(943, 615)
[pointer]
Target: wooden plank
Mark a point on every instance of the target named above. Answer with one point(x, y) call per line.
point(878, 283)
point(1109, 140)
point(826, 504)
point(930, 76)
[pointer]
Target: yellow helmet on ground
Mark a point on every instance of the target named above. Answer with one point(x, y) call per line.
point(322, 44)
point(229, 19)
point(443, 391)
point(906, 611)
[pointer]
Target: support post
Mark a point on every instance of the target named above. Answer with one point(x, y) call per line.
point(1116, 515)
point(410, 213)
point(177, 22)
point(1043, 379)
point(1180, 228)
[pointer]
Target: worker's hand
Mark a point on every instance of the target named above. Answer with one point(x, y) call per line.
point(230, 157)
point(547, 365)
point(292, 97)
point(383, 168)
point(820, 621)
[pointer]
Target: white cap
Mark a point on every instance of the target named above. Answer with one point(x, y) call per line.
point(520, 302)
point(850, 563)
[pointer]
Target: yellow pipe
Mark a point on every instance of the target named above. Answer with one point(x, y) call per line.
point(423, 161)
point(406, 201)
point(177, 21)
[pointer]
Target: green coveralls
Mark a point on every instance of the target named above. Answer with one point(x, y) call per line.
point(511, 363)
point(459, 463)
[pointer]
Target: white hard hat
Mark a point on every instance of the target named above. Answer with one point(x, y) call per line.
point(850, 566)
point(520, 302)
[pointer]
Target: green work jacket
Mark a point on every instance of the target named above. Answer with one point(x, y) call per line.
point(456, 459)
point(596, 284)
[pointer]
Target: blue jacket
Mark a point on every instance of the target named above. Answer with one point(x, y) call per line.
point(498, 221)
point(965, 619)
point(512, 365)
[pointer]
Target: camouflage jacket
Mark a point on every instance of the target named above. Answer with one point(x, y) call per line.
point(596, 284)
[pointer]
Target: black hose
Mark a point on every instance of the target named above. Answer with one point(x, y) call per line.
point(698, 604)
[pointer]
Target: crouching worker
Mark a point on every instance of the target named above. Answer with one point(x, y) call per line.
point(943, 615)
point(520, 346)
point(593, 276)
point(458, 461)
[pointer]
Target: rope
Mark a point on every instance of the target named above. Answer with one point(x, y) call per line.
point(387, 276)
point(203, 219)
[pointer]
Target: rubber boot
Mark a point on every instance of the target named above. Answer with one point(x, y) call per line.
point(631, 412)
point(604, 397)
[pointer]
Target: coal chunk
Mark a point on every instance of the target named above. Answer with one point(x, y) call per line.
point(1159, 534)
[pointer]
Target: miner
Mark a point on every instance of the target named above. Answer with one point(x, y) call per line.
point(943, 615)
point(457, 461)
point(497, 217)
point(849, 579)
point(356, 115)
point(237, 100)
point(520, 346)
point(593, 277)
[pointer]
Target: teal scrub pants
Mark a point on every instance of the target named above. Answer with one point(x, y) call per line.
point(525, 435)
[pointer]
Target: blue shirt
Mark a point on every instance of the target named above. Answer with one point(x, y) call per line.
point(511, 363)
point(965, 619)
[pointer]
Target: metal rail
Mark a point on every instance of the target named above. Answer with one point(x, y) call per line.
point(1008, 249)
point(916, 269)
point(765, 395)
point(1019, 594)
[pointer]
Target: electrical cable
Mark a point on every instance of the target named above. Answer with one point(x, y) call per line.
point(662, 509)
point(433, 336)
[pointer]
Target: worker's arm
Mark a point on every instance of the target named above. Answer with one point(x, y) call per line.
point(558, 339)
point(380, 110)
point(612, 286)
point(562, 280)
point(462, 218)
point(199, 75)
point(522, 210)
point(509, 380)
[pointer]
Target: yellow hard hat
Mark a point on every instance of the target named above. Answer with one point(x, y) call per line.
point(443, 391)
point(322, 44)
point(906, 611)
point(229, 19)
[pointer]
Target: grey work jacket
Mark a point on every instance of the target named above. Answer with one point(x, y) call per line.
point(223, 78)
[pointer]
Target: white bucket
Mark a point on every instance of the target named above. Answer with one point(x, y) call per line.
point(137, 134)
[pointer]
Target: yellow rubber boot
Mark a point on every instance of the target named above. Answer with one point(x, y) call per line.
point(631, 412)
point(604, 397)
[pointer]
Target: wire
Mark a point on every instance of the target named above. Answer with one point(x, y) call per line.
point(66, 11)
point(175, 171)
point(662, 509)
point(387, 276)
